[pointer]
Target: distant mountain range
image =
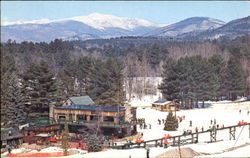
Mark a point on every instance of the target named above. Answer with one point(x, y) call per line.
point(231, 30)
point(95, 26)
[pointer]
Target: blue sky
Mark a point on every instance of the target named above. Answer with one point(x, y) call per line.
point(155, 11)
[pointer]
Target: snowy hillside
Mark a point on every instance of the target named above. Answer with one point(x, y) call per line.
point(102, 21)
point(143, 91)
point(188, 25)
point(88, 27)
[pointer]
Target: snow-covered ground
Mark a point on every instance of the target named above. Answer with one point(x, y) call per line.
point(225, 113)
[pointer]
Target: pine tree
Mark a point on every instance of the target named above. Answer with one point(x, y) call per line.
point(114, 93)
point(39, 87)
point(218, 67)
point(171, 122)
point(170, 87)
point(106, 83)
point(15, 107)
point(235, 81)
point(7, 68)
point(93, 144)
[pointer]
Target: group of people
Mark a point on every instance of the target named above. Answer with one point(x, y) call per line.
point(162, 121)
point(247, 112)
point(145, 126)
point(213, 125)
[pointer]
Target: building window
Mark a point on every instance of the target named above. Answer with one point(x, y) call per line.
point(61, 117)
point(81, 117)
point(108, 118)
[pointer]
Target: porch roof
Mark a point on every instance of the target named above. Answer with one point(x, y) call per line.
point(92, 108)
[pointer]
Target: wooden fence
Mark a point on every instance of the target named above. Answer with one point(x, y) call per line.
point(183, 139)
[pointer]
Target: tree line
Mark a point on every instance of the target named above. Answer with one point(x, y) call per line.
point(29, 94)
point(48, 73)
point(193, 79)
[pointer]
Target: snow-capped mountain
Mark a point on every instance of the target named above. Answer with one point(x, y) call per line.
point(185, 26)
point(97, 25)
point(231, 30)
point(103, 21)
point(83, 27)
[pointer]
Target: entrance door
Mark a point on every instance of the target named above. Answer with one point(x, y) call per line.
point(70, 117)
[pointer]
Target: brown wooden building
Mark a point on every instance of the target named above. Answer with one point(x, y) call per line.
point(164, 105)
point(112, 120)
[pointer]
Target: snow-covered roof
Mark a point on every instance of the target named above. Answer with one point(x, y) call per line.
point(43, 135)
point(162, 102)
point(82, 100)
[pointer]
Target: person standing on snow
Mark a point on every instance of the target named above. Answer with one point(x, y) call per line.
point(9, 149)
point(165, 143)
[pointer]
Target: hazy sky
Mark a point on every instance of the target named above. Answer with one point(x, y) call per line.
point(155, 11)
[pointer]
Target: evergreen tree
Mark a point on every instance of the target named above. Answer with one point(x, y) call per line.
point(15, 107)
point(7, 68)
point(189, 79)
point(170, 86)
point(94, 144)
point(171, 122)
point(114, 93)
point(235, 82)
point(218, 67)
point(39, 87)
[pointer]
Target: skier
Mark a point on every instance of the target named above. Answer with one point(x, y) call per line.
point(247, 112)
point(211, 122)
point(190, 123)
point(196, 129)
point(202, 128)
point(159, 121)
point(163, 121)
point(148, 150)
point(180, 119)
point(240, 111)
point(214, 121)
point(165, 143)
point(140, 125)
point(149, 126)
point(184, 132)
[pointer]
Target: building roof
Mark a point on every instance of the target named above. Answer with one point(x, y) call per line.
point(10, 133)
point(92, 108)
point(43, 135)
point(162, 102)
point(82, 100)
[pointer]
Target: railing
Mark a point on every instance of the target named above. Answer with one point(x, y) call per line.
point(179, 139)
point(109, 124)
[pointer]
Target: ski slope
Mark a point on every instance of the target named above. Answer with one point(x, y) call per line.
point(224, 113)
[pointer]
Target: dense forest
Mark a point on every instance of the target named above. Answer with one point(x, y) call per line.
point(37, 75)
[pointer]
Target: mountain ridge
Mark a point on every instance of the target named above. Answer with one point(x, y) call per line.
point(94, 26)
